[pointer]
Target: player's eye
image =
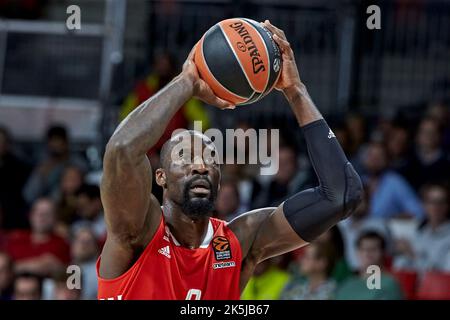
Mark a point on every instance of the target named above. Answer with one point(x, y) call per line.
point(181, 153)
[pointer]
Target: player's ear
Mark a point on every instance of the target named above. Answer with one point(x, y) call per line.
point(160, 177)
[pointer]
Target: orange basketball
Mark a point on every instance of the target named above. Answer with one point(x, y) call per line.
point(239, 60)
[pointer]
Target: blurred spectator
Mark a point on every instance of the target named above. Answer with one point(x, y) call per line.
point(2, 232)
point(90, 211)
point(287, 181)
point(61, 290)
point(249, 181)
point(164, 69)
point(27, 286)
point(227, 203)
point(430, 163)
point(66, 199)
point(358, 223)
point(38, 250)
point(440, 112)
point(398, 147)
point(371, 252)
point(357, 128)
point(382, 127)
point(6, 276)
point(84, 251)
point(13, 175)
point(46, 177)
point(65, 196)
point(316, 265)
point(334, 239)
point(267, 281)
point(430, 248)
point(390, 194)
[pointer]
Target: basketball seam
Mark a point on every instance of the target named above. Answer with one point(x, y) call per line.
point(267, 52)
point(249, 101)
point(237, 58)
point(218, 82)
point(274, 83)
point(250, 98)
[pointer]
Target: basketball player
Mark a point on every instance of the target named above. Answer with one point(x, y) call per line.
point(177, 251)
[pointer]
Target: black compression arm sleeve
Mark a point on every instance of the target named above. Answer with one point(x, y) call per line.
point(313, 211)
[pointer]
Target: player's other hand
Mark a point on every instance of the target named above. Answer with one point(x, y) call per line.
point(289, 77)
point(201, 89)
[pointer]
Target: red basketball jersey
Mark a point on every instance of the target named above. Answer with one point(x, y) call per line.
point(166, 271)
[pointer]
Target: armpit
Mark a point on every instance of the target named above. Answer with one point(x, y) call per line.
point(246, 227)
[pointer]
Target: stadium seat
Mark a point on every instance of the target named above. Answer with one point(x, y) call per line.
point(434, 286)
point(408, 282)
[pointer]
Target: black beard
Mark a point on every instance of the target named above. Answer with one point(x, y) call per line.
point(197, 207)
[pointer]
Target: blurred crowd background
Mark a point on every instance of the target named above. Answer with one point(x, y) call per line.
point(385, 93)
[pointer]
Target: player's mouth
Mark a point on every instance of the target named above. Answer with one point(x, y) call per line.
point(200, 187)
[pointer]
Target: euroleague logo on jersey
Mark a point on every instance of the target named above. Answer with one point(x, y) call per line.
point(221, 243)
point(221, 246)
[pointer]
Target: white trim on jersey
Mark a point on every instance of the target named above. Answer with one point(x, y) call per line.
point(208, 236)
point(206, 241)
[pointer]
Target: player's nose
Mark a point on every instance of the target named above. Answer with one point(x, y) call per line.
point(199, 166)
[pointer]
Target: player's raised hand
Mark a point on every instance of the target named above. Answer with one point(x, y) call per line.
point(201, 89)
point(289, 77)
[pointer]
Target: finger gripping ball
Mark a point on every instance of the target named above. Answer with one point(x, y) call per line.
point(239, 60)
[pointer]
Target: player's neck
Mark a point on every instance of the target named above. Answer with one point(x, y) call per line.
point(187, 231)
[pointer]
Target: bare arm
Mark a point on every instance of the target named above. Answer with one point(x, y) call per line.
point(132, 213)
point(127, 179)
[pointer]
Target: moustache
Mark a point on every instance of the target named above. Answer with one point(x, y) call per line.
point(197, 179)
